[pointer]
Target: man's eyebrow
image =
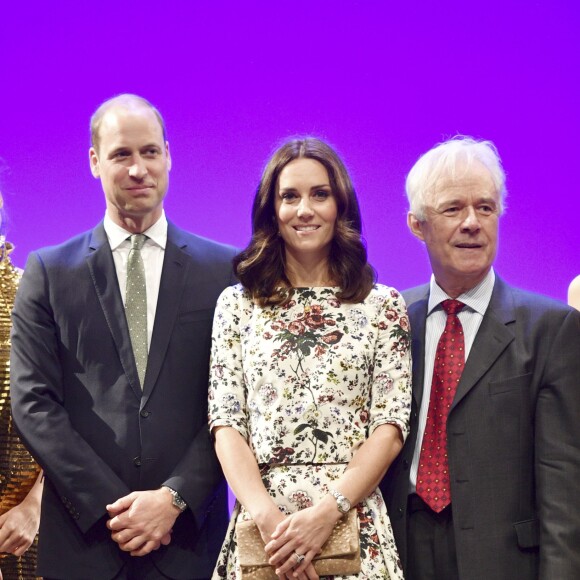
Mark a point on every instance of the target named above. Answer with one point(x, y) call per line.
point(446, 202)
point(117, 150)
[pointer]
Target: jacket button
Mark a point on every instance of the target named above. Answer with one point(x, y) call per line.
point(137, 461)
point(405, 464)
point(144, 413)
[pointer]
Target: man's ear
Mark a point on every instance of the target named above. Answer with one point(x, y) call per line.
point(94, 161)
point(415, 226)
point(168, 154)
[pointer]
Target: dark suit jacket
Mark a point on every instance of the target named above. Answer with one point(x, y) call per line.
point(79, 407)
point(513, 441)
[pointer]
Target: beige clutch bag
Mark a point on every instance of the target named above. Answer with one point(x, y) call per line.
point(340, 554)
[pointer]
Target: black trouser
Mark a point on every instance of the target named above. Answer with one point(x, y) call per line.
point(431, 553)
point(137, 569)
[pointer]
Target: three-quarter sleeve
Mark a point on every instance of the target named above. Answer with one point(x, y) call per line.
point(391, 380)
point(227, 388)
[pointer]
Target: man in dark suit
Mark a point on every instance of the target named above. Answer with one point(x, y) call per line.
point(487, 485)
point(110, 356)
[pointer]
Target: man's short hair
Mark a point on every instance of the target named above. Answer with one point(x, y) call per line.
point(128, 101)
point(444, 159)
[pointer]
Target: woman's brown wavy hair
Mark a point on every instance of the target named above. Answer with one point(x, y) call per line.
point(261, 266)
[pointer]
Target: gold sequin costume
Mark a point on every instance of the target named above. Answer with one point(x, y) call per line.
point(18, 471)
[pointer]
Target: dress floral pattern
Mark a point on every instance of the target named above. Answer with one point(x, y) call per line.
point(306, 384)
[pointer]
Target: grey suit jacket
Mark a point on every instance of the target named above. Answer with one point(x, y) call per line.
point(513, 441)
point(79, 407)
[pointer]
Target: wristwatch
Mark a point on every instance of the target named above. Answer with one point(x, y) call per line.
point(342, 502)
point(177, 501)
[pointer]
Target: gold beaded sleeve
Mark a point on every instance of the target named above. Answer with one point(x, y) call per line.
point(18, 471)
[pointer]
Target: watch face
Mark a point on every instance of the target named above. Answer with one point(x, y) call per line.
point(178, 502)
point(176, 499)
point(341, 502)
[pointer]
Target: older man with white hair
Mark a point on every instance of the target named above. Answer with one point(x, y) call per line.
point(487, 484)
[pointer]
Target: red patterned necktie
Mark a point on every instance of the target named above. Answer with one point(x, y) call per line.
point(433, 472)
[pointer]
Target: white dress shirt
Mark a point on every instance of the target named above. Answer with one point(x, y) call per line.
point(153, 252)
point(476, 302)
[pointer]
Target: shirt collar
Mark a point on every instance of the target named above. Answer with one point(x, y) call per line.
point(477, 298)
point(157, 233)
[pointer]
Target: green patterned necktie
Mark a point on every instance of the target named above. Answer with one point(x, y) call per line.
point(136, 304)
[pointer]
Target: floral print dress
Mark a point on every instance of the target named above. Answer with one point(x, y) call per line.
point(306, 384)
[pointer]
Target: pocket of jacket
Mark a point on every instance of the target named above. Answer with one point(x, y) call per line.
point(509, 384)
point(195, 316)
point(528, 533)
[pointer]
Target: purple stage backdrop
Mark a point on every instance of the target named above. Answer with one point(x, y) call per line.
point(382, 81)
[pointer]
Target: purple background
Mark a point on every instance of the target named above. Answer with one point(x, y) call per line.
point(382, 81)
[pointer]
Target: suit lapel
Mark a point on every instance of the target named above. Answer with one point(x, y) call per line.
point(173, 277)
point(493, 337)
point(417, 317)
point(104, 276)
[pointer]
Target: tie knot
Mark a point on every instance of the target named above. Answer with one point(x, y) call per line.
point(137, 241)
point(452, 306)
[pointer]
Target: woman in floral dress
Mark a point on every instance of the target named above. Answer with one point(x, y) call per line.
point(310, 376)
